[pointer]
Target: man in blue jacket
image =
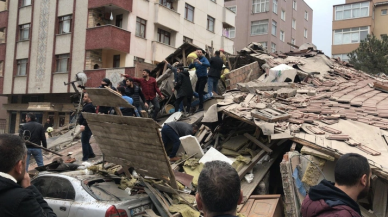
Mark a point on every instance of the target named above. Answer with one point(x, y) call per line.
point(201, 64)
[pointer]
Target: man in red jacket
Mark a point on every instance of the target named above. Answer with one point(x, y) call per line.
point(149, 88)
point(352, 175)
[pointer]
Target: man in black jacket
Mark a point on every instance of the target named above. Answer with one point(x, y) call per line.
point(17, 196)
point(87, 150)
point(35, 133)
point(214, 74)
point(106, 83)
point(184, 89)
point(133, 90)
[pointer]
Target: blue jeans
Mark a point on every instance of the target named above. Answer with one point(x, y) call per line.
point(37, 153)
point(212, 84)
point(87, 150)
point(170, 136)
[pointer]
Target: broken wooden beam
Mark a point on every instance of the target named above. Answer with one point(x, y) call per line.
point(258, 143)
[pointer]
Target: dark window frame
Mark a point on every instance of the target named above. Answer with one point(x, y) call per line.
point(58, 62)
point(210, 18)
point(61, 20)
point(119, 20)
point(116, 61)
point(22, 29)
point(164, 34)
point(142, 23)
point(187, 9)
point(187, 39)
point(20, 63)
point(166, 3)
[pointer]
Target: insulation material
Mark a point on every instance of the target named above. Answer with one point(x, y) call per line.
point(280, 73)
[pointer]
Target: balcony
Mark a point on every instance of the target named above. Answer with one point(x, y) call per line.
point(96, 75)
point(124, 4)
point(3, 19)
point(2, 51)
point(161, 51)
point(228, 18)
point(227, 44)
point(108, 37)
point(167, 17)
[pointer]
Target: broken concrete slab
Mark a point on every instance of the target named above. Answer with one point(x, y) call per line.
point(313, 171)
point(306, 150)
point(252, 86)
point(286, 92)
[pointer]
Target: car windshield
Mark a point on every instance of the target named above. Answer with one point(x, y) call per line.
point(107, 190)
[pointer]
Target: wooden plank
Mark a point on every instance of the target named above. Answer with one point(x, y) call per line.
point(259, 172)
point(130, 137)
point(254, 160)
point(106, 143)
point(118, 111)
point(257, 142)
point(107, 97)
point(132, 121)
point(246, 209)
point(184, 57)
point(144, 114)
point(121, 152)
point(123, 127)
point(269, 196)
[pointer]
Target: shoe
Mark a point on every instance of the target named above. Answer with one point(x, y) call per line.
point(92, 156)
point(174, 159)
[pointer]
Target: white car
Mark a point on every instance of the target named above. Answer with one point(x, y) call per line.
point(70, 194)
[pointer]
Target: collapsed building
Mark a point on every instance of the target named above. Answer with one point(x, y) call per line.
point(282, 122)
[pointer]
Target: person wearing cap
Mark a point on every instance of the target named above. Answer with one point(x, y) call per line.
point(201, 64)
point(150, 88)
point(216, 64)
point(105, 83)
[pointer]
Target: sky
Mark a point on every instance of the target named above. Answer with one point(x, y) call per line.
point(322, 23)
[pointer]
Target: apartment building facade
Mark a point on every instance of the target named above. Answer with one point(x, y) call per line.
point(271, 22)
point(44, 43)
point(353, 21)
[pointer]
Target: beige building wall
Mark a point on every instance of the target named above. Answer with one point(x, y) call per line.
point(381, 21)
point(10, 50)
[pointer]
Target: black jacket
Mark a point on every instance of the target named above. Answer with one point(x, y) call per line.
point(181, 128)
point(183, 85)
point(16, 201)
point(88, 107)
point(216, 64)
point(105, 109)
point(135, 93)
point(33, 132)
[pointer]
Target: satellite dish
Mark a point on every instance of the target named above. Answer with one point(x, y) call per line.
point(81, 78)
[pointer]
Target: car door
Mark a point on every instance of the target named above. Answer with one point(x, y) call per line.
point(58, 192)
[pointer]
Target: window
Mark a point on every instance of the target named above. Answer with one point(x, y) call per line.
point(62, 62)
point(293, 23)
point(293, 41)
point(42, 184)
point(187, 39)
point(64, 25)
point(116, 61)
point(233, 8)
point(259, 27)
point(166, 3)
point(26, 2)
point(282, 36)
point(24, 32)
point(264, 44)
point(119, 20)
point(273, 47)
point(260, 6)
point(350, 35)
point(22, 67)
point(164, 36)
point(60, 188)
point(275, 6)
point(305, 33)
point(283, 15)
point(350, 11)
point(140, 27)
point(294, 5)
point(344, 57)
point(189, 13)
point(1, 68)
point(274, 25)
point(384, 12)
point(306, 15)
point(229, 32)
point(210, 23)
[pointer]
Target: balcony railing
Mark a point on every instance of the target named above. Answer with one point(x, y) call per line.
point(124, 4)
point(108, 37)
point(3, 19)
point(166, 17)
point(96, 75)
point(229, 17)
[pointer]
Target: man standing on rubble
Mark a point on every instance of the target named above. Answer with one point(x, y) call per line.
point(133, 90)
point(201, 64)
point(87, 150)
point(219, 190)
point(106, 83)
point(171, 132)
point(352, 175)
point(17, 196)
point(216, 64)
point(184, 89)
point(35, 133)
point(150, 88)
